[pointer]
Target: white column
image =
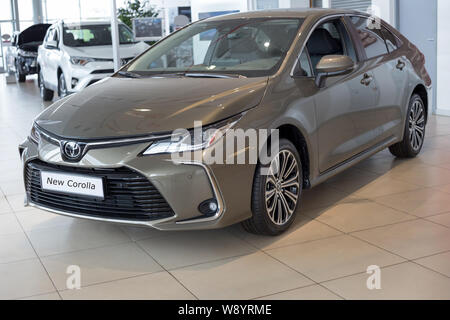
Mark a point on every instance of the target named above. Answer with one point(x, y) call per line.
point(115, 35)
point(326, 3)
point(15, 16)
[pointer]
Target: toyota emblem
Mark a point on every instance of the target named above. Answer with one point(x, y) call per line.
point(72, 150)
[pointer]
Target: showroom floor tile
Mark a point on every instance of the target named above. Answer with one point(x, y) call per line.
point(411, 240)
point(198, 247)
point(421, 203)
point(442, 219)
point(15, 247)
point(303, 229)
point(101, 264)
point(315, 292)
point(403, 281)
point(160, 285)
point(438, 262)
point(358, 215)
point(87, 235)
point(244, 277)
point(24, 279)
point(333, 258)
point(386, 212)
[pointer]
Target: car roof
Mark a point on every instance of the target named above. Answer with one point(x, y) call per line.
point(285, 13)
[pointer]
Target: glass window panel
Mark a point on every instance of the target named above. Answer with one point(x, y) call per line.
point(7, 28)
point(57, 10)
point(95, 9)
point(371, 38)
point(25, 11)
point(5, 10)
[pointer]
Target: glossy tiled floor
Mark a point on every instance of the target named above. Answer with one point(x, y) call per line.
point(386, 212)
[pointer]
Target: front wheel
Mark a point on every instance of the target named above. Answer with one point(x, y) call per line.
point(46, 94)
point(414, 134)
point(20, 77)
point(62, 86)
point(277, 190)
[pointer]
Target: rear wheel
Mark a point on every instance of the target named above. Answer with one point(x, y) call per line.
point(414, 135)
point(46, 94)
point(62, 86)
point(20, 77)
point(276, 193)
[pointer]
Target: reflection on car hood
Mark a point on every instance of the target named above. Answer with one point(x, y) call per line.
point(106, 52)
point(121, 107)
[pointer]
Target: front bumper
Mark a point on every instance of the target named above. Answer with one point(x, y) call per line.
point(79, 78)
point(184, 186)
point(27, 65)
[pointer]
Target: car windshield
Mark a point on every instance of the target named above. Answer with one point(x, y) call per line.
point(249, 47)
point(95, 35)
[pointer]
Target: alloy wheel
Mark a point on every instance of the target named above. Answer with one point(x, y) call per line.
point(417, 125)
point(282, 187)
point(62, 86)
point(41, 84)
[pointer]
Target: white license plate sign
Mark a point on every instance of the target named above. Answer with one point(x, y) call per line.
point(73, 184)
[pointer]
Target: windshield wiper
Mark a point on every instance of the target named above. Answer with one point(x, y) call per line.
point(129, 74)
point(212, 75)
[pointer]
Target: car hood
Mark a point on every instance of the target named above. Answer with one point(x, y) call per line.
point(35, 33)
point(124, 107)
point(106, 52)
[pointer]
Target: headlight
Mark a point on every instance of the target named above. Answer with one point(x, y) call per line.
point(81, 61)
point(35, 136)
point(24, 53)
point(196, 139)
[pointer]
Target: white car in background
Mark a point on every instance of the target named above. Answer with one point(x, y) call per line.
point(76, 55)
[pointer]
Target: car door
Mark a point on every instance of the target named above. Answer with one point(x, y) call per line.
point(344, 101)
point(45, 53)
point(388, 67)
point(54, 59)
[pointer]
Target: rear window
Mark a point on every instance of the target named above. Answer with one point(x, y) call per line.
point(371, 38)
point(391, 40)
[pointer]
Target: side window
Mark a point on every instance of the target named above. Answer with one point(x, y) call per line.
point(303, 67)
point(50, 35)
point(56, 36)
point(391, 40)
point(371, 38)
point(330, 38)
point(47, 35)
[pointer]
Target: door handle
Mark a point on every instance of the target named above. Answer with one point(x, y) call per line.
point(400, 65)
point(366, 80)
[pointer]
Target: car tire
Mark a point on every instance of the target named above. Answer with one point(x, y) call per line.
point(273, 204)
point(20, 77)
point(62, 86)
point(46, 94)
point(414, 134)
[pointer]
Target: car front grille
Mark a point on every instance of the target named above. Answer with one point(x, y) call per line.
point(128, 194)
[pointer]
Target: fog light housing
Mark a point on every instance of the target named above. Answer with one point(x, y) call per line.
point(208, 207)
point(74, 82)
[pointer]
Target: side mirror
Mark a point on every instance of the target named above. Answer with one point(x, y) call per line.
point(51, 44)
point(331, 66)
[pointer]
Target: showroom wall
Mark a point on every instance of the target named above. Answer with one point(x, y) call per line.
point(443, 58)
